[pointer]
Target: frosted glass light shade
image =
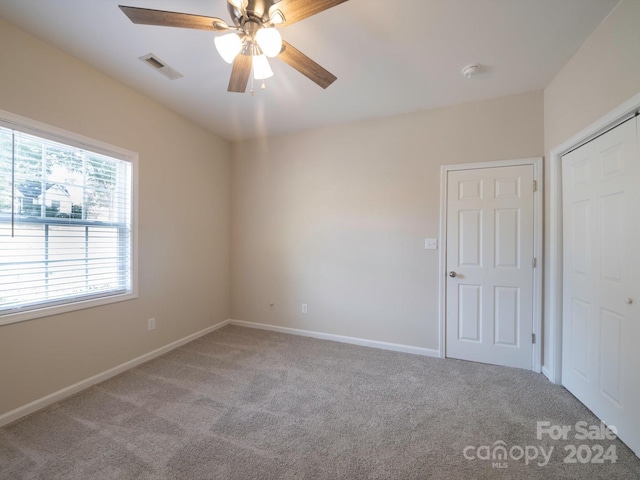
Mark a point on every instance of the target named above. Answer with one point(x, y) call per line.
point(270, 41)
point(261, 68)
point(228, 46)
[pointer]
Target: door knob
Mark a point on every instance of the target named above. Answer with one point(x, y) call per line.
point(629, 301)
point(453, 274)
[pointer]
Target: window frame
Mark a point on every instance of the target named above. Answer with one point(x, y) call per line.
point(49, 132)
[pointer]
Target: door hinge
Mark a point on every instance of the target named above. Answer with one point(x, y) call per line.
point(535, 186)
point(534, 262)
point(533, 338)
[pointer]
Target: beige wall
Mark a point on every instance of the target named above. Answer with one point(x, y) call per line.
point(602, 75)
point(184, 176)
point(337, 217)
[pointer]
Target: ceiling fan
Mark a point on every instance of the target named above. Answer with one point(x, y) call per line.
point(254, 36)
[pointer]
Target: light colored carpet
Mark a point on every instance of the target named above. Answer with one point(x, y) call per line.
point(249, 404)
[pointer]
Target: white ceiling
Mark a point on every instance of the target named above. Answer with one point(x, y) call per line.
point(390, 56)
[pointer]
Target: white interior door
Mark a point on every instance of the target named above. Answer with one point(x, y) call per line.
point(490, 249)
point(601, 279)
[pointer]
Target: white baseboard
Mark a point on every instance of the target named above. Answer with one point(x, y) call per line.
point(550, 376)
point(31, 407)
point(428, 352)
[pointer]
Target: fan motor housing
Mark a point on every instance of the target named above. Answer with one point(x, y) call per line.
point(257, 10)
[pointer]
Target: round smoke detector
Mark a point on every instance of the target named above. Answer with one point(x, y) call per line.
point(470, 70)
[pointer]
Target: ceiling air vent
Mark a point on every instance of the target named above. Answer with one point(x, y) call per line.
point(160, 66)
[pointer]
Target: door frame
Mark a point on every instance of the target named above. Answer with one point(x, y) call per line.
point(538, 177)
point(629, 109)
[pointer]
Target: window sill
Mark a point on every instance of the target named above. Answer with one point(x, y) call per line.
point(33, 314)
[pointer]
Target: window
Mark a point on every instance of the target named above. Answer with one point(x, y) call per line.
point(66, 232)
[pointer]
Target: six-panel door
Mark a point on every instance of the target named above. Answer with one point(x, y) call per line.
point(489, 289)
point(601, 278)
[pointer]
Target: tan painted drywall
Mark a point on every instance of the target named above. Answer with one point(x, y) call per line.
point(337, 217)
point(184, 177)
point(603, 74)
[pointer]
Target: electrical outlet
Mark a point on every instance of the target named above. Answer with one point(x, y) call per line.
point(151, 324)
point(304, 308)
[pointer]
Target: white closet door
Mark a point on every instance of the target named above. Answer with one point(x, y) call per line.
point(601, 278)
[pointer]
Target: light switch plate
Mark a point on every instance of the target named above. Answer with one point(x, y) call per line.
point(431, 243)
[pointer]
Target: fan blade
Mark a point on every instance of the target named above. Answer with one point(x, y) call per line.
point(298, 60)
point(146, 16)
point(296, 10)
point(240, 74)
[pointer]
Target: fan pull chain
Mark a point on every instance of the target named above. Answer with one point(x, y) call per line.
point(262, 87)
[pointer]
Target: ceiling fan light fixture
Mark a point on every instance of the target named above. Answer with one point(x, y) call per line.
point(270, 41)
point(254, 23)
point(228, 46)
point(261, 68)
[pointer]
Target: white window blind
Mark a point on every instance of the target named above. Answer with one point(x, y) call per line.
point(65, 223)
